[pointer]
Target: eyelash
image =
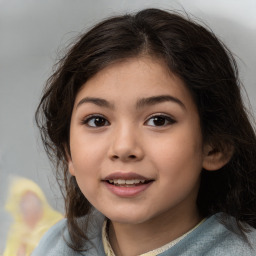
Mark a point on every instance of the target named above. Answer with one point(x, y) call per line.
point(94, 117)
point(167, 120)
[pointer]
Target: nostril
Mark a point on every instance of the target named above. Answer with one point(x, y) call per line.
point(124, 157)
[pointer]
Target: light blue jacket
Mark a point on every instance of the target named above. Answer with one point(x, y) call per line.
point(211, 238)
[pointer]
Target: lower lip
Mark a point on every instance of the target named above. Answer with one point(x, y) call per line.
point(127, 191)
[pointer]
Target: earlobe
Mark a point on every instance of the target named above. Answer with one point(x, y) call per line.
point(71, 167)
point(215, 159)
point(70, 163)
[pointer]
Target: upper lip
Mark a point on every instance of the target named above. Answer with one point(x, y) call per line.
point(125, 176)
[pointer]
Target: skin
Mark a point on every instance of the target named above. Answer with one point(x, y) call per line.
point(169, 152)
point(31, 209)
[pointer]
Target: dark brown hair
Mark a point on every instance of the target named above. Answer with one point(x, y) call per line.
point(209, 71)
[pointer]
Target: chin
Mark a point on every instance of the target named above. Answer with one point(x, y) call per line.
point(128, 218)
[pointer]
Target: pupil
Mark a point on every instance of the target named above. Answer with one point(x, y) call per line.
point(99, 121)
point(158, 121)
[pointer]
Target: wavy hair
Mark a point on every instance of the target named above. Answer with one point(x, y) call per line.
point(210, 73)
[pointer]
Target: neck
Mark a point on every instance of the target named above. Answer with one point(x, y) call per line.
point(136, 239)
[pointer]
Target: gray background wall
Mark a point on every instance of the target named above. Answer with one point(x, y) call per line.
point(31, 34)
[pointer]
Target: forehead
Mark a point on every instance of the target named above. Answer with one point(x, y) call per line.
point(135, 78)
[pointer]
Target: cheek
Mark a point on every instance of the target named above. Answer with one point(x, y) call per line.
point(177, 150)
point(178, 159)
point(178, 174)
point(86, 164)
point(87, 180)
point(85, 151)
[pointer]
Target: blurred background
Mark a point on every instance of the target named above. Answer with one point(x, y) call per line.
point(33, 33)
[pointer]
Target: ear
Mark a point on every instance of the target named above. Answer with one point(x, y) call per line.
point(215, 159)
point(71, 167)
point(69, 161)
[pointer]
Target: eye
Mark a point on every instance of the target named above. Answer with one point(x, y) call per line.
point(96, 121)
point(160, 120)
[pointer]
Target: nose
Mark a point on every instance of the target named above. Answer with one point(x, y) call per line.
point(126, 145)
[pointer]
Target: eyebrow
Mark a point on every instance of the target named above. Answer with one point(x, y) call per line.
point(97, 101)
point(144, 102)
point(141, 103)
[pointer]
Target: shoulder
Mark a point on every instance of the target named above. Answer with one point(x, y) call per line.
point(229, 243)
point(54, 242)
point(212, 238)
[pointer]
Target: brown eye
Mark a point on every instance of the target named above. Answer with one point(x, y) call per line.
point(96, 121)
point(160, 120)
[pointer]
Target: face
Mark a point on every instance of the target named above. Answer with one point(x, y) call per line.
point(135, 141)
point(31, 209)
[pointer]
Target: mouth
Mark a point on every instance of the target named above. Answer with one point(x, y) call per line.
point(126, 179)
point(127, 183)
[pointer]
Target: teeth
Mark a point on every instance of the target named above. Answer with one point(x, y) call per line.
point(120, 182)
point(127, 182)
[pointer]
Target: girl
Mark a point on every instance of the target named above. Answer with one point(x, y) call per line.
point(144, 120)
